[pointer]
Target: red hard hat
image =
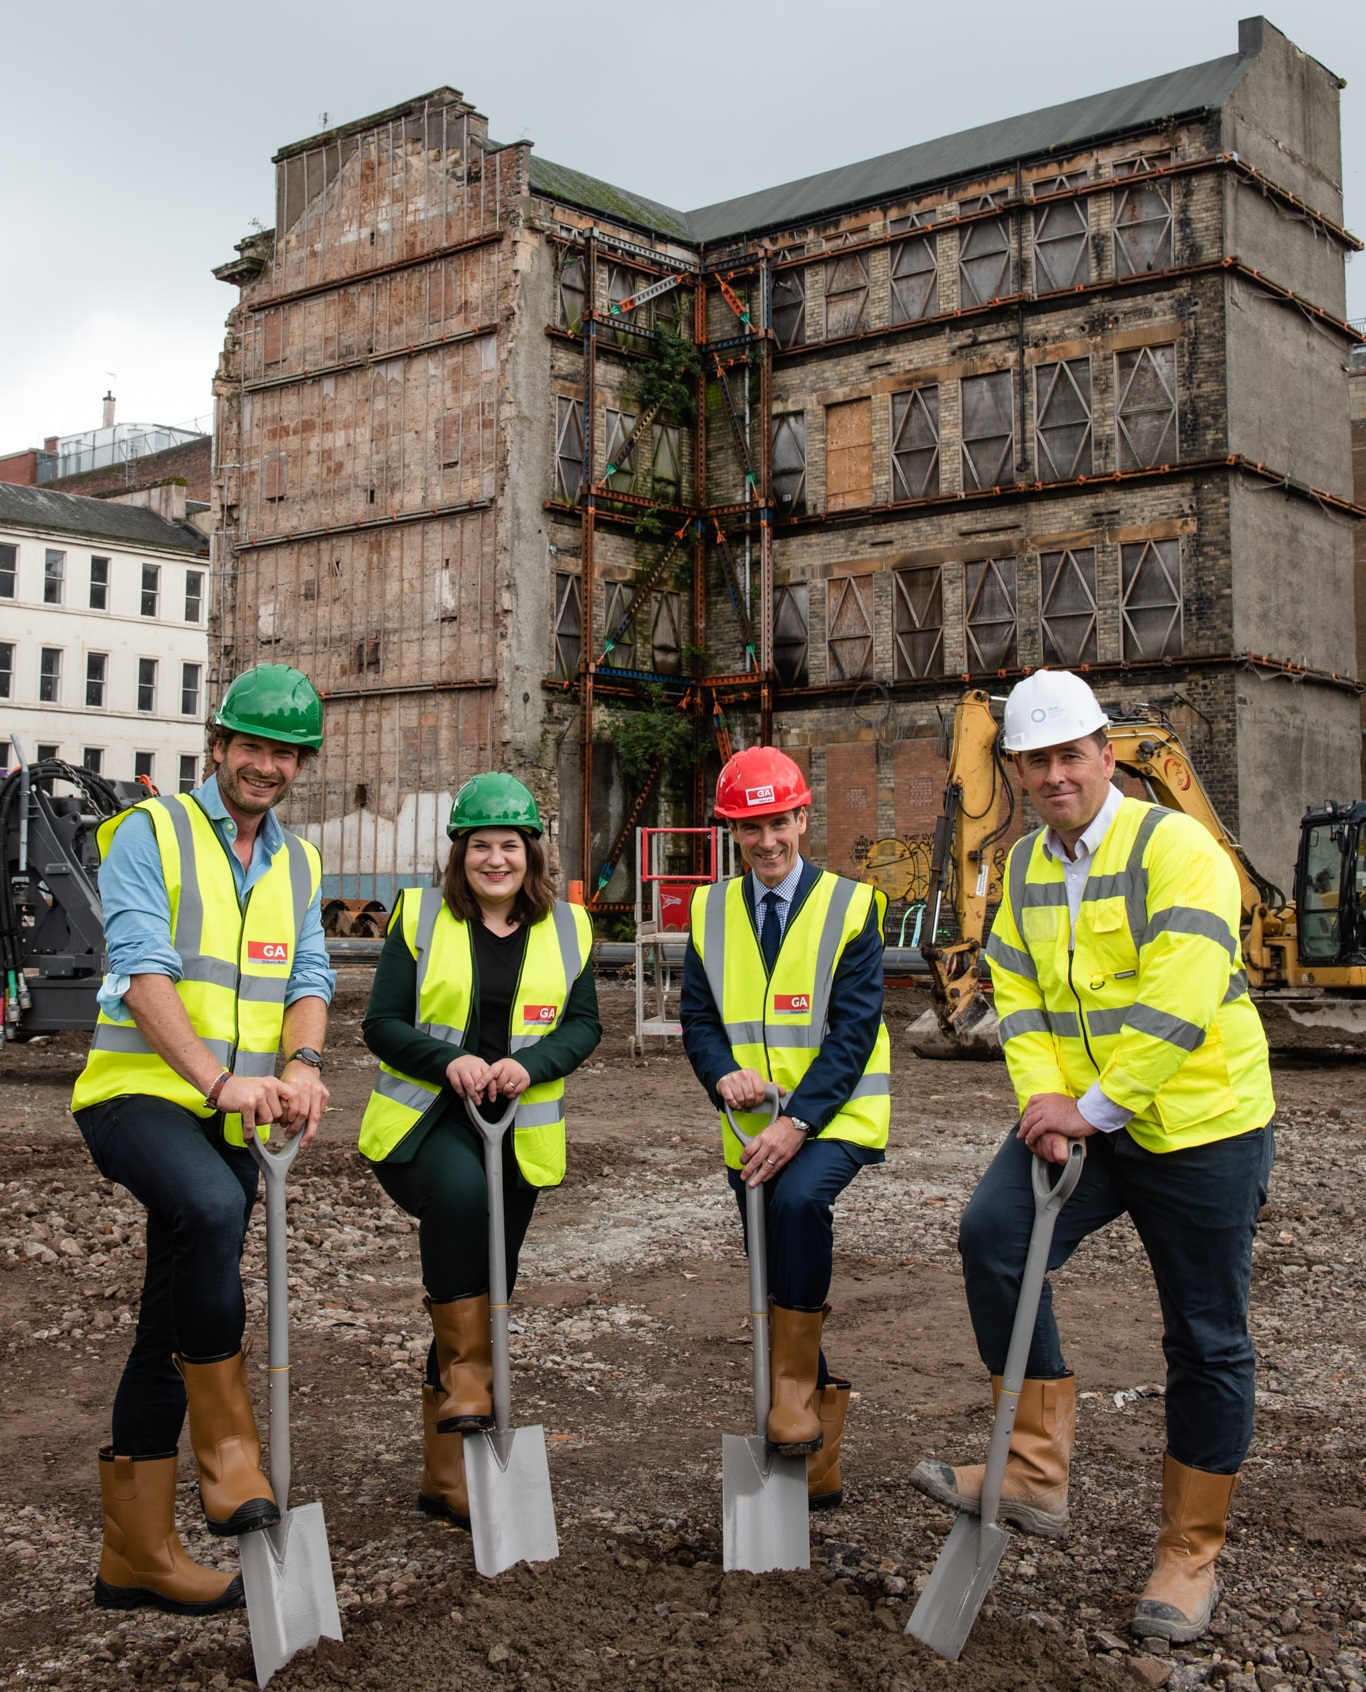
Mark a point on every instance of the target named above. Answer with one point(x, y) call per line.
point(761, 781)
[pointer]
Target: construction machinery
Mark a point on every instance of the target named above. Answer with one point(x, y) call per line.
point(1305, 956)
point(51, 923)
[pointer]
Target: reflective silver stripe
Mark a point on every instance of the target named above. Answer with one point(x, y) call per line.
point(399, 1090)
point(1183, 919)
point(443, 1031)
point(263, 989)
point(1162, 1025)
point(714, 944)
point(188, 938)
point(1117, 886)
point(209, 972)
point(1023, 1022)
point(745, 1033)
point(831, 930)
point(253, 1065)
point(1011, 958)
point(1044, 893)
point(1020, 860)
point(117, 1037)
point(300, 881)
point(1065, 1024)
point(1237, 986)
point(874, 1086)
point(520, 1042)
point(429, 903)
point(805, 1037)
point(1136, 893)
point(1103, 1022)
point(567, 933)
point(542, 1115)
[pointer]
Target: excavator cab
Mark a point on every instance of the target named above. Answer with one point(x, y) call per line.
point(1330, 885)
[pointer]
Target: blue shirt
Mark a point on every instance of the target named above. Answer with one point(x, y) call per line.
point(137, 908)
point(786, 891)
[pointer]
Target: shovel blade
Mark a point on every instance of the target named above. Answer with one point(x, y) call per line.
point(958, 1585)
point(763, 1506)
point(512, 1514)
point(291, 1597)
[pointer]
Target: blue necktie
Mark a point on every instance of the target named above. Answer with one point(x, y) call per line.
point(771, 934)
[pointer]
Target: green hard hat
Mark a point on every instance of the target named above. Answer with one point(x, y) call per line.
point(494, 800)
point(276, 702)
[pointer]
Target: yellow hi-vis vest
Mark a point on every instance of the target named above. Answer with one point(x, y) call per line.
point(776, 1025)
point(557, 952)
point(1150, 995)
point(236, 960)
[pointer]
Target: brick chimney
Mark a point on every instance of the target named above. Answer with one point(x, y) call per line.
point(109, 410)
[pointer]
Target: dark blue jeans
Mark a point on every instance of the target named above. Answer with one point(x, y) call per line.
point(1195, 1211)
point(198, 1192)
point(799, 1222)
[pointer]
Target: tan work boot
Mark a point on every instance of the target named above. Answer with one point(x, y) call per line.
point(1034, 1492)
point(1181, 1593)
point(824, 1488)
point(142, 1560)
point(464, 1355)
point(794, 1362)
point(236, 1495)
point(444, 1491)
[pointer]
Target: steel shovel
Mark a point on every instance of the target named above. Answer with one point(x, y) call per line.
point(763, 1495)
point(512, 1514)
point(286, 1569)
point(961, 1579)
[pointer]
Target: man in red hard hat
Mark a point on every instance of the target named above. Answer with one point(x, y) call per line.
point(782, 983)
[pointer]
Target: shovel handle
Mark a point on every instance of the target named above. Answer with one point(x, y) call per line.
point(492, 1135)
point(772, 1098)
point(757, 1241)
point(274, 1165)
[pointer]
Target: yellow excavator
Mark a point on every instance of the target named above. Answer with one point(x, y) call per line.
point(1305, 956)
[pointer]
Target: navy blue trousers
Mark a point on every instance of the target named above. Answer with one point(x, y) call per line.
point(799, 1222)
point(198, 1192)
point(1195, 1211)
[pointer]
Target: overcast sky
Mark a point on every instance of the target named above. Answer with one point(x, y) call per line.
point(137, 136)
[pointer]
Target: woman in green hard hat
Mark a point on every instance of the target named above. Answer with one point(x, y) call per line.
point(484, 992)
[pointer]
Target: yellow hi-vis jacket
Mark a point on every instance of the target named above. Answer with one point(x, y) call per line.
point(776, 1024)
point(1149, 996)
point(557, 951)
point(235, 957)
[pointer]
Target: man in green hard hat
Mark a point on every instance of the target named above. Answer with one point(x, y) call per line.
point(217, 964)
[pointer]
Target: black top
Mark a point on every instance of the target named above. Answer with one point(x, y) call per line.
point(498, 963)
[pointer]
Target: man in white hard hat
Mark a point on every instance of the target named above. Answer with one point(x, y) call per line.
point(1126, 1021)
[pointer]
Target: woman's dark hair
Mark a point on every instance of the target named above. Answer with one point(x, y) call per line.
point(534, 898)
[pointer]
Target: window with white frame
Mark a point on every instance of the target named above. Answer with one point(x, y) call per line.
point(54, 577)
point(92, 759)
point(50, 675)
point(151, 589)
point(144, 764)
point(6, 669)
point(189, 689)
point(189, 772)
point(147, 684)
point(99, 584)
point(96, 679)
point(194, 596)
point(9, 569)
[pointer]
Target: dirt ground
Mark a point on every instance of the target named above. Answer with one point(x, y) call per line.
point(632, 1352)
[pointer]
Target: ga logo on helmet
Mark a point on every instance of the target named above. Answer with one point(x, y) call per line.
point(539, 1013)
point(759, 795)
point(791, 1004)
point(267, 951)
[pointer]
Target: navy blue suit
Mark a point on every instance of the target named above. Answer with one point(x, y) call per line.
point(798, 1201)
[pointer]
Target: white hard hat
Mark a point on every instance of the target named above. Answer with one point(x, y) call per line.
point(1048, 708)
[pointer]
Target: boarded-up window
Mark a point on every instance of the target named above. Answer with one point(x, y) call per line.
point(1143, 228)
point(568, 625)
point(1062, 245)
point(849, 627)
point(568, 449)
point(791, 626)
point(450, 441)
point(846, 295)
point(1145, 407)
point(569, 292)
point(273, 336)
point(915, 443)
point(918, 603)
point(665, 646)
point(915, 271)
point(789, 308)
point(985, 269)
point(1150, 593)
point(442, 292)
point(789, 462)
point(619, 471)
point(1062, 410)
point(989, 613)
point(666, 463)
point(988, 430)
point(623, 285)
point(1067, 606)
point(848, 455)
point(274, 476)
point(618, 597)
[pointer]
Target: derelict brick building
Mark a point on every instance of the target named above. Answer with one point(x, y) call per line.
point(1066, 388)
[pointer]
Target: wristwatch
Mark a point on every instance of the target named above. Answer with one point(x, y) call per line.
point(306, 1054)
point(805, 1127)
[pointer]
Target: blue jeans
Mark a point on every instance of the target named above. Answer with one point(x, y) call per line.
point(198, 1192)
point(1195, 1211)
point(799, 1223)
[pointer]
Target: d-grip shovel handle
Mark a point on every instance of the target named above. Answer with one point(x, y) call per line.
point(491, 1132)
point(274, 1165)
point(758, 1264)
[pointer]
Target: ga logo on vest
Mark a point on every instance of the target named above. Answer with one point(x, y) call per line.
point(791, 1004)
point(539, 1013)
point(267, 951)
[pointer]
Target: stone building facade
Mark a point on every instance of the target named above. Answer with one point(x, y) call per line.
point(1067, 388)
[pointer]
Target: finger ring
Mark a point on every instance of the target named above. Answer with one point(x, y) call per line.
point(768, 1160)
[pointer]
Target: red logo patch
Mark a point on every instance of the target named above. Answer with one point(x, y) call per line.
point(268, 951)
point(791, 1004)
point(539, 1013)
